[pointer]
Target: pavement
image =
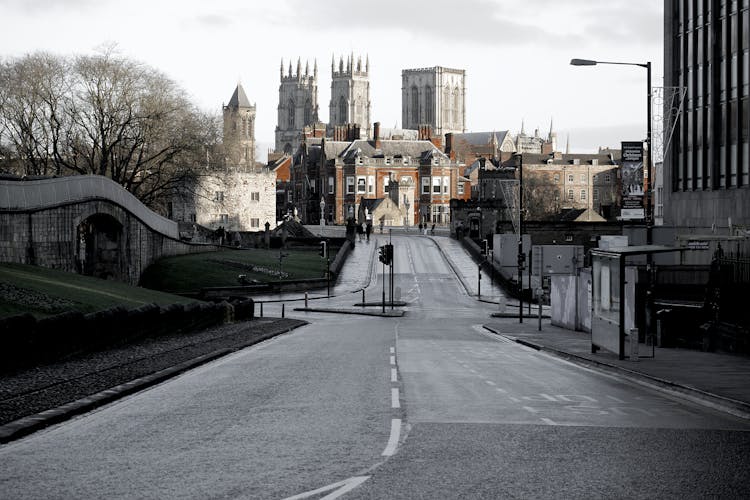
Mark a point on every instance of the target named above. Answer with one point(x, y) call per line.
point(718, 380)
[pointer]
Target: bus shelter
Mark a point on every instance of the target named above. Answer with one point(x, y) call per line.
point(614, 277)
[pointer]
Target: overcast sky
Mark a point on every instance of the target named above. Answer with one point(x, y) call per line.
point(515, 53)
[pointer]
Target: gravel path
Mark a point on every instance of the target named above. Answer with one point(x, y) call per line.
point(41, 388)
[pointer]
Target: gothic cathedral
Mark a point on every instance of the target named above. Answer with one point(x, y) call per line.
point(298, 105)
point(435, 97)
point(350, 94)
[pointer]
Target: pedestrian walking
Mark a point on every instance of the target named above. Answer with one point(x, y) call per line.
point(432, 231)
point(368, 230)
point(420, 228)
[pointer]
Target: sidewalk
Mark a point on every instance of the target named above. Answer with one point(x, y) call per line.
point(713, 379)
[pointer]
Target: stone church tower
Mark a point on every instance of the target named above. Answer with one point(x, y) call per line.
point(350, 94)
point(298, 105)
point(239, 130)
point(436, 97)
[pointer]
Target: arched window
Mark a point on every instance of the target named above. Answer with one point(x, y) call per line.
point(415, 105)
point(447, 113)
point(457, 108)
point(308, 112)
point(429, 115)
point(343, 118)
point(290, 114)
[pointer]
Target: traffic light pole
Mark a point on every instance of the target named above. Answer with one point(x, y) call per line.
point(328, 275)
point(383, 287)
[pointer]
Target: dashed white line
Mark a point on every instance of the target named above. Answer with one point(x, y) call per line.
point(393, 360)
point(549, 421)
point(489, 382)
point(394, 375)
point(498, 389)
point(530, 409)
point(393, 350)
point(390, 448)
point(394, 398)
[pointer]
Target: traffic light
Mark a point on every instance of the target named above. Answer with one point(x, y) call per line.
point(485, 248)
point(381, 254)
point(389, 254)
point(323, 249)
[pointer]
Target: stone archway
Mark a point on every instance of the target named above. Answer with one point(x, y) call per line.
point(99, 251)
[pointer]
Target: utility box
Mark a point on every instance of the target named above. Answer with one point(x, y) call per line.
point(505, 250)
point(548, 260)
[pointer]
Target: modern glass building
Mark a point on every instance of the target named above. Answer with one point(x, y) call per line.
point(707, 167)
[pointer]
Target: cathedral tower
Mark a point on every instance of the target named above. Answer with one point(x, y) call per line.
point(298, 105)
point(436, 97)
point(350, 94)
point(239, 130)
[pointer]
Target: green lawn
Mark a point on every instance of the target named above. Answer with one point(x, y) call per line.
point(187, 273)
point(45, 292)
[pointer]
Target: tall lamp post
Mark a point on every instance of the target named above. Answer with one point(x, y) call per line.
point(648, 188)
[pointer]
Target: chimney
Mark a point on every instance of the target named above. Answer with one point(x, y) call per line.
point(425, 131)
point(376, 135)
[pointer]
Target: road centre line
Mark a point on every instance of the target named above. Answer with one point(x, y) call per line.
point(341, 487)
point(393, 360)
point(394, 398)
point(489, 382)
point(498, 389)
point(393, 350)
point(530, 409)
point(390, 448)
point(394, 375)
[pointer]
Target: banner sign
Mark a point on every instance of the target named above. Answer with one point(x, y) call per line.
point(632, 181)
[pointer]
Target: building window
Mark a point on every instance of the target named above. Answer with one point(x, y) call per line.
point(460, 188)
point(386, 180)
point(583, 195)
point(568, 237)
point(596, 194)
point(361, 185)
point(371, 184)
point(571, 196)
point(446, 185)
point(330, 185)
point(583, 178)
point(436, 185)
point(349, 185)
point(607, 177)
point(557, 178)
point(193, 218)
point(425, 185)
point(255, 196)
point(255, 223)
point(570, 178)
point(223, 218)
point(219, 196)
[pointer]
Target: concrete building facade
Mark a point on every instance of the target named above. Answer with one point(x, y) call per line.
point(707, 167)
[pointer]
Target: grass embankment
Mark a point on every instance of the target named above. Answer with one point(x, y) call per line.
point(45, 292)
point(188, 273)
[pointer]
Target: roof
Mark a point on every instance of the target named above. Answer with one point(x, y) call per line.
point(637, 250)
point(481, 138)
point(567, 159)
point(414, 149)
point(239, 98)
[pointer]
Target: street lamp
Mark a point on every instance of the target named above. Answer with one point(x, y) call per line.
point(408, 213)
point(647, 191)
point(322, 214)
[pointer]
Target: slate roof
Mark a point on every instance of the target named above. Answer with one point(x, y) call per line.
point(413, 149)
point(239, 98)
point(480, 138)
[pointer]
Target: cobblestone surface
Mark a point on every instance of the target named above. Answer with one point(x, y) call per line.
point(40, 388)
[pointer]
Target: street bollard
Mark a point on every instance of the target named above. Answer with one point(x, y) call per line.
point(305, 300)
point(363, 297)
point(282, 310)
point(539, 297)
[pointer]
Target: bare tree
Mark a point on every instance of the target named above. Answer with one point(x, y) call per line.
point(105, 115)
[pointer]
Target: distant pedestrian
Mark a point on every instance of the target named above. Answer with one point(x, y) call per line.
point(360, 231)
point(420, 228)
point(432, 231)
point(368, 230)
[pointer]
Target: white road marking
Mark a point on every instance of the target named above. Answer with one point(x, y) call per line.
point(618, 400)
point(393, 350)
point(393, 360)
point(341, 487)
point(530, 409)
point(515, 400)
point(549, 421)
point(498, 389)
point(390, 448)
point(489, 382)
point(394, 398)
point(394, 375)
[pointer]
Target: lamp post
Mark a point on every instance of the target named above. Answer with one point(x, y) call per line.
point(647, 188)
point(408, 213)
point(521, 254)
